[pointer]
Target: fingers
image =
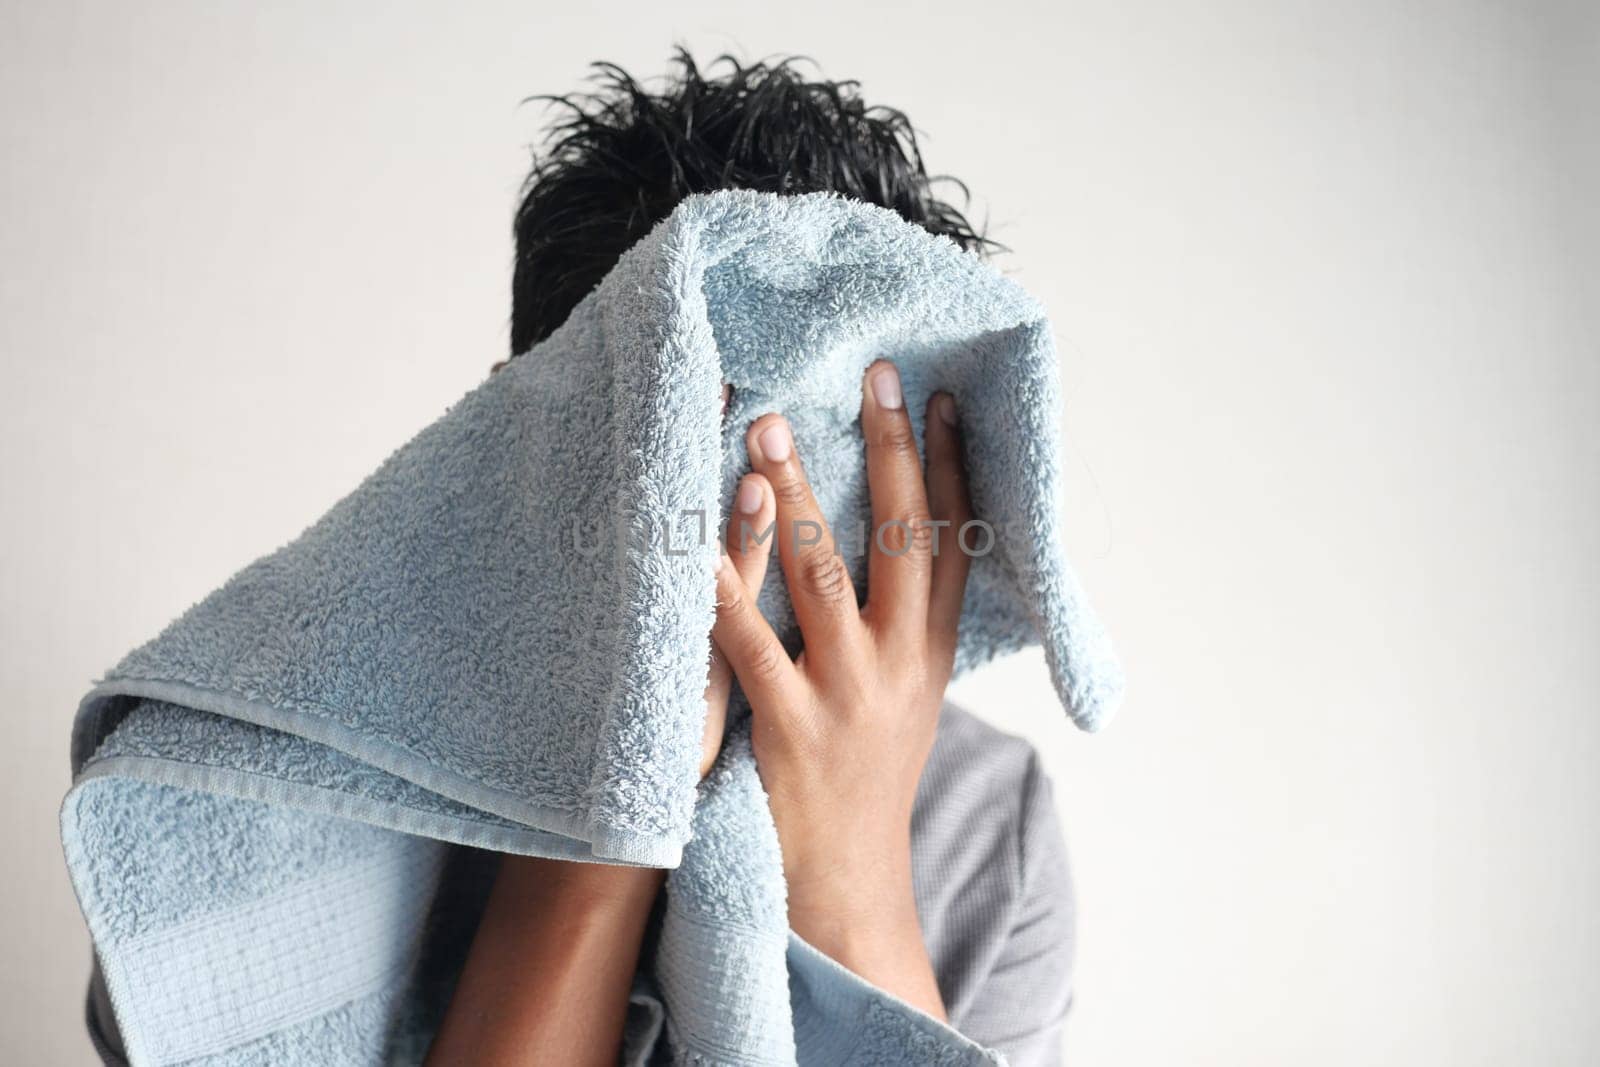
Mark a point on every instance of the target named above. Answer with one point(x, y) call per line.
point(951, 509)
point(899, 555)
point(765, 671)
point(749, 545)
point(751, 530)
point(819, 584)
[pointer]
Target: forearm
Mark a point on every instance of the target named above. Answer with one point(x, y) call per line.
point(548, 976)
point(863, 915)
point(841, 733)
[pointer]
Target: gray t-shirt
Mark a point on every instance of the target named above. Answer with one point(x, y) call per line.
point(992, 892)
point(989, 869)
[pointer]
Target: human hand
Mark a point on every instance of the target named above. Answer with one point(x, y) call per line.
point(842, 732)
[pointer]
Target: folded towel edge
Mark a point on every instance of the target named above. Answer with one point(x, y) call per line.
point(606, 843)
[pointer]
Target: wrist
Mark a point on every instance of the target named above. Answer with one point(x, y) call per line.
point(852, 914)
point(862, 914)
point(855, 938)
point(882, 946)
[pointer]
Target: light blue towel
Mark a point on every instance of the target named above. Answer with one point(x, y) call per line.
point(500, 639)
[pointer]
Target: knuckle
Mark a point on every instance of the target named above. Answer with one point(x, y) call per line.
point(766, 660)
point(791, 492)
point(823, 576)
point(908, 536)
point(731, 598)
point(921, 534)
point(896, 435)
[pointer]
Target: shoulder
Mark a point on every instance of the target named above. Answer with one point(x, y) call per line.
point(970, 753)
point(988, 860)
point(979, 780)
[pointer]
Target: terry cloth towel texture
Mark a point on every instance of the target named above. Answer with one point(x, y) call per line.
point(500, 639)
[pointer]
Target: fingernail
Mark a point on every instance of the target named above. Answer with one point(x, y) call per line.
point(886, 387)
point(774, 443)
point(947, 409)
point(749, 499)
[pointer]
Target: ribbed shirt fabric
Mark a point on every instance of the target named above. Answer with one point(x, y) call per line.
point(992, 887)
point(989, 869)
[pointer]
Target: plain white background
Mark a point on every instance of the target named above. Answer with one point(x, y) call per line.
point(1324, 279)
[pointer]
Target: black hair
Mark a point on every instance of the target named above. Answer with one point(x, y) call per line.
point(623, 157)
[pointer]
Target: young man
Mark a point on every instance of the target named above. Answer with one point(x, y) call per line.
point(920, 847)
